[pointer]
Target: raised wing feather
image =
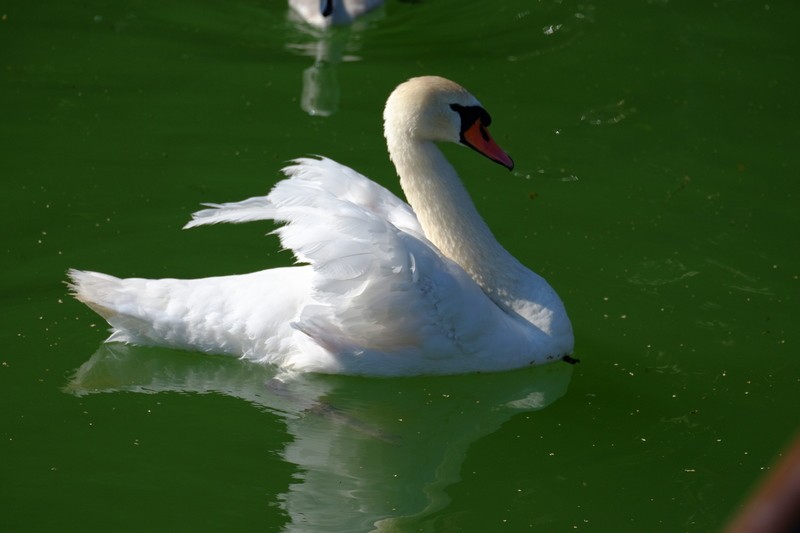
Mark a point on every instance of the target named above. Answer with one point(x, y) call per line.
point(250, 210)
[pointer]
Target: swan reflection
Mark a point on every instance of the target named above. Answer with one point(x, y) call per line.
point(373, 454)
point(328, 48)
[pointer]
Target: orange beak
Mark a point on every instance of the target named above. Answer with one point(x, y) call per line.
point(478, 138)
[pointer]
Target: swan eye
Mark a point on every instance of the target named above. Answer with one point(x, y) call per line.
point(471, 114)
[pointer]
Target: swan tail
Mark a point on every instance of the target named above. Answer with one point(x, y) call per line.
point(114, 300)
point(93, 289)
point(248, 315)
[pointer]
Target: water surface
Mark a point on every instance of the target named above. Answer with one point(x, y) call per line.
point(656, 188)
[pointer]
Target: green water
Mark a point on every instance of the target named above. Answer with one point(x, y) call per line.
point(656, 188)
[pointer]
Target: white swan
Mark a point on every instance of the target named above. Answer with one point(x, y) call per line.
point(387, 290)
point(326, 13)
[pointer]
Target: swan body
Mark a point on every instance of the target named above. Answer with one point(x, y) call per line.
point(385, 289)
point(326, 13)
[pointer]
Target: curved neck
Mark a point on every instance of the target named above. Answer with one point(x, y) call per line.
point(449, 218)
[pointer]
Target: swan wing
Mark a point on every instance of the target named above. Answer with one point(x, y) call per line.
point(250, 210)
point(381, 293)
point(384, 296)
point(331, 178)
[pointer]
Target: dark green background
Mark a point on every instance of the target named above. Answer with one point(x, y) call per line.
point(656, 188)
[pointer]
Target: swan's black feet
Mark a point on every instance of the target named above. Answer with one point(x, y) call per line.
point(570, 360)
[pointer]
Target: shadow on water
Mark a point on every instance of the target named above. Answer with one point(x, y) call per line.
point(372, 453)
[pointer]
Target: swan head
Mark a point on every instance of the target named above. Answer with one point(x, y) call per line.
point(431, 108)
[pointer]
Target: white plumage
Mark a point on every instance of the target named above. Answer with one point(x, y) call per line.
point(387, 290)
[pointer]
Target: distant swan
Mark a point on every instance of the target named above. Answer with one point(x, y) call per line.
point(388, 290)
point(325, 13)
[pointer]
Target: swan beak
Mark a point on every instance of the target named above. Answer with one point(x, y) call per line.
point(478, 138)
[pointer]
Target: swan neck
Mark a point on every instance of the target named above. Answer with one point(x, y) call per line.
point(449, 217)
